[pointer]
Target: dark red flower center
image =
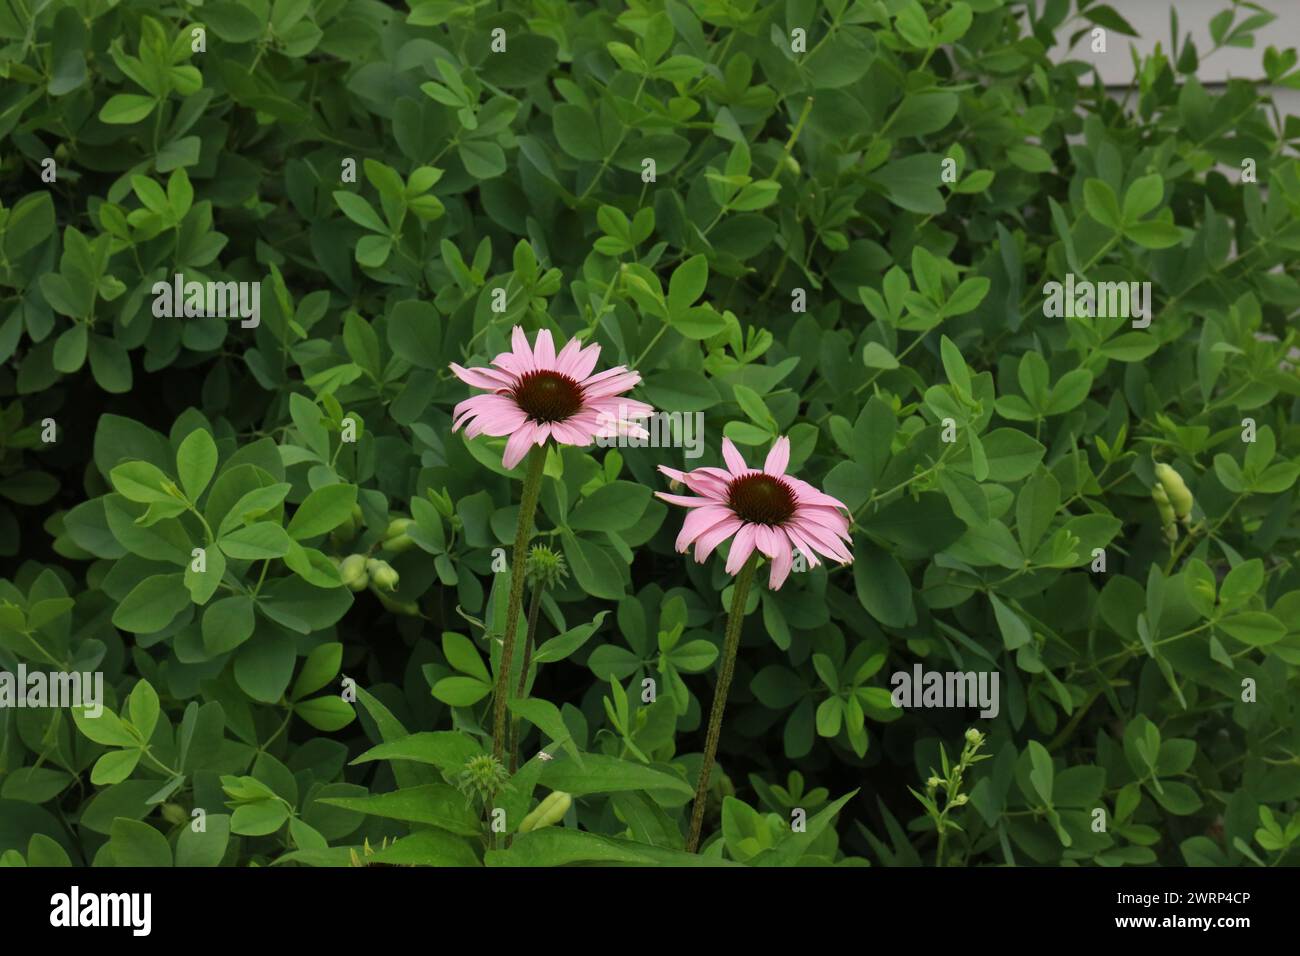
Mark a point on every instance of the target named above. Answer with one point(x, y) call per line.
point(547, 396)
point(761, 499)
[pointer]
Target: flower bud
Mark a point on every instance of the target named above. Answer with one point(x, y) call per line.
point(1176, 489)
point(174, 813)
point(960, 799)
point(974, 737)
point(382, 574)
point(933, 783)
point(352, 571)
point(544, 567)
point(548, 813)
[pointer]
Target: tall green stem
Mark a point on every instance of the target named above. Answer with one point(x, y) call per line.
point(730, 645)
point(534, 606)
point(523, 532)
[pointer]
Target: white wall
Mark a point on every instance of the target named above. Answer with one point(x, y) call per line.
point(1150, 18)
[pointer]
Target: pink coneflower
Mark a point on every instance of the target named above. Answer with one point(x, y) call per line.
point(536, 394)
point(768, 510)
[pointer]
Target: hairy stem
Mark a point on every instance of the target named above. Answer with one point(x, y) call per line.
point(523, 532)
point(534, 606)
point(731, 644)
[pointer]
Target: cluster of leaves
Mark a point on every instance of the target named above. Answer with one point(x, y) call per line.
point(764, 229)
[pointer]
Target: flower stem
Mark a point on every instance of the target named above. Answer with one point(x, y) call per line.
point(530, 639)
point(730, 645)
point(523, 532)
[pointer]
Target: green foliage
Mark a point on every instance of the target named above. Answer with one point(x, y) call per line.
point(267, 539)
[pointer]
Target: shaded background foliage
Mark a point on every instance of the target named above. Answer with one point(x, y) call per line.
point(775, 171)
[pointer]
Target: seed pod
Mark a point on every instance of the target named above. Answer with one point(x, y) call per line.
point(398, 526)
point(353, 572)
point(346, 531)
point(406, 608)
point(395, 537)
point(382, 574)
point(547, 813)
point(1179, 494)
point(1163, 505)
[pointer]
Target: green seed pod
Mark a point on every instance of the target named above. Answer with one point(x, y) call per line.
point(1163, 505)
point(407, 608)
point(382, 574)
point(1179, 494)
point(344, 533)
point(548, 813)
point(399, 544)
point(395, 537)
point(398, 526)
point(352, 570)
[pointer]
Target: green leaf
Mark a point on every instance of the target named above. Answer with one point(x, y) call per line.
point(259, 541)
point(137, 844)
point(1154, 234)
point(561, 646)
point(446, 750)
point(599, 773)
point(361, 212)
point(1014, 632)
point(259, 819)
point(576, 132)
point(562, 846)
point(1102, 204)
point(955, 367)
point(464, 656)
point(207, 847)
point(616, 506)
point(143, 708)
point(114, 767)
point(882, 586)
point(434, 804)
point(196, 462)
point(1011, 454)
point(323, 510)
point(1041, 775)
point(1254, 628)
point(126, 108)
point(152, 604)
point(1143, 196)
point(320, 667)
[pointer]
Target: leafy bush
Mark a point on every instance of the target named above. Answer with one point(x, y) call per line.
point(831, 222)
